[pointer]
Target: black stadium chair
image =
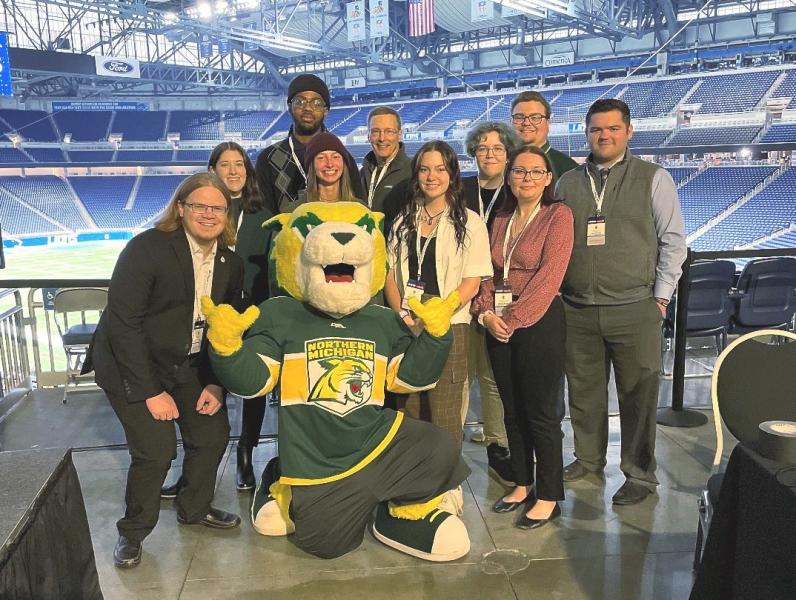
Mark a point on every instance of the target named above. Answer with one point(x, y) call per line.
point(766, 295)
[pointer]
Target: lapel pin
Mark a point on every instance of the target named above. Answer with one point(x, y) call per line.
point(223, 259)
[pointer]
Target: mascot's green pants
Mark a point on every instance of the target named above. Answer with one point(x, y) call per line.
point(342, 456)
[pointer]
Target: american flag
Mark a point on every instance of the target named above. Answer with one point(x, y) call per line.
point(421, 17)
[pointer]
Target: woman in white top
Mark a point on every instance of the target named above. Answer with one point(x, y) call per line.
point(438, 246)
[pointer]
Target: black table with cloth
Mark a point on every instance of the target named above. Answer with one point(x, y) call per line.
point(45, 543)
point(750, 551)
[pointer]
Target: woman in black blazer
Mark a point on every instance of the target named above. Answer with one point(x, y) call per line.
point(150, 356)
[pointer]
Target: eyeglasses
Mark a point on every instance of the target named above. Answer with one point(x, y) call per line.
point(387, 132)
point(520, 118)
point(495, 150)
point(314, 104)
point(198, 208)
point(521, 174)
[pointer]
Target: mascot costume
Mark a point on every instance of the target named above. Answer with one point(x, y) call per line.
point(343, 456)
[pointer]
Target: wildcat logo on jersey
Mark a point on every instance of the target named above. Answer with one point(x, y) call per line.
point(340, 373)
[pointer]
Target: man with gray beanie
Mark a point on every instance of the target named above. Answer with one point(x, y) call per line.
point(280, 168)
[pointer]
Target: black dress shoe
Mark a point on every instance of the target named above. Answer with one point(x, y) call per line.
point(500, 464)
point(504, 506)
point(631, 493)
point(127, 553)
point(215, 518)
point(575, 471)
point(169, 492)
point(525, 522)
point(244, 477)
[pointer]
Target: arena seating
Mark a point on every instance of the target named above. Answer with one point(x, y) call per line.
point(49, 194)
point(680, 173)
point(649, 138)
point(144, 156)
point(770, 210)
point(90, 156)
point(572, 104)
point(196, 124)
point(656, 98)
point(787, 89)
point(714, 189)
point(140, 126)
point(704, 136)
point(13, 156)
point(46, 155)
point(720, 93)
point(105, 198)
point(85, 126)
point(190, 155)
point(251, 125)
point(779, 133)
point(153, 194)
point(34, 125)
point(19, 219)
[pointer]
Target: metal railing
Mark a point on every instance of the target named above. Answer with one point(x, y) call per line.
point(14, 365)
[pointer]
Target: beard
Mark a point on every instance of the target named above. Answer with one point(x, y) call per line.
point(302, 129)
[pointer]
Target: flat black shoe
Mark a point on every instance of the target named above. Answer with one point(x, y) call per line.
point(244, 476)
point(169, 492)
point(215, 518)
point(631, 493)
point(525, 522)
point(503, 506)
point(127, 553)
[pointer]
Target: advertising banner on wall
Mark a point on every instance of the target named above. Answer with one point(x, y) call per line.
point(355, 20)
point(111, 66)
point(558, 60)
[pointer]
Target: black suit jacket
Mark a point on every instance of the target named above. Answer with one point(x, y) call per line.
point(143, 338)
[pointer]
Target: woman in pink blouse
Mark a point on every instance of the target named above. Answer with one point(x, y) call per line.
point(531, 243)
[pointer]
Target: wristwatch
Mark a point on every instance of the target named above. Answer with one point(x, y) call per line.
point(403, 313)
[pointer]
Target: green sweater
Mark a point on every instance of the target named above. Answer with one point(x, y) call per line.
point(333, 373)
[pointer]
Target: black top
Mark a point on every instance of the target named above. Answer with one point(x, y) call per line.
point(429, 266)
point(470, 187)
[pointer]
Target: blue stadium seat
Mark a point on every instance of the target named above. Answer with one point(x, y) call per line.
point(85, 126)
point(49, 194)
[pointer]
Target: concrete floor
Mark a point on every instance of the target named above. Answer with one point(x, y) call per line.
point(594, 551)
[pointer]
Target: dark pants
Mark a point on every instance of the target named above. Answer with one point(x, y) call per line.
point(420, 463)
point(153, 445)
point(528, 372)
point(628, 337)
point(253, 414)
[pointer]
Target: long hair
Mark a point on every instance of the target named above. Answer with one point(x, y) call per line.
point(509, 202)
point(250, 201)
point(171, 220)
point(345, 191)
point(455, 198)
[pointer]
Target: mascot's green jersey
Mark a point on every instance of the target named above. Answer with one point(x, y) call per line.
point(333, 373)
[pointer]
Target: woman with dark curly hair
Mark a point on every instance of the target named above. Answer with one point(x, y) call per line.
point(438, 246)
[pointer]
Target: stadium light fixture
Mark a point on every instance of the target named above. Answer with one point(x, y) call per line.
point(221, 7)
point(205, 10)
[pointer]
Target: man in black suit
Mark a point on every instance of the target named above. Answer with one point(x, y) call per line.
point(150, 357)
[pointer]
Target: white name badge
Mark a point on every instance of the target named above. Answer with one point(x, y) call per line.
point(595, 231)
point(197, 333)
point(503, 298)
point(414, 289)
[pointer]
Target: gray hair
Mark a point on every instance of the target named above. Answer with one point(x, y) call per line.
point(508, 137)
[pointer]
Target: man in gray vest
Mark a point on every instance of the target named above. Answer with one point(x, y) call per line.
point(386, 169)
point(629, 248)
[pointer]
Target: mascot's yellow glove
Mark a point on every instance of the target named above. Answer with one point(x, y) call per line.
point(436, 313)
point(226, 325)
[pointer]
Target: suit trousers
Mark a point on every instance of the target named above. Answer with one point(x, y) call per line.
point(153, 445)
point(252, 417)
point(479, 367)
point(627, 337)
point(528, 371)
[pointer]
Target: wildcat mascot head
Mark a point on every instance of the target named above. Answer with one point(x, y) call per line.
point(331, 255)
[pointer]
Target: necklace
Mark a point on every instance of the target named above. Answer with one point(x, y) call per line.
point(429, 218)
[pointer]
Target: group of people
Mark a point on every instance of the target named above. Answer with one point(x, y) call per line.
point(559, 268)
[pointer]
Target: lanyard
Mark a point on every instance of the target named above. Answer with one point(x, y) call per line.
point(485, 216)
point(507, 254)
point(374, 182)
point(598, 198)
point(295, 158)
point(421, 254)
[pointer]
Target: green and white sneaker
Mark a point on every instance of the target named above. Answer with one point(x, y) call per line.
point(438, 537)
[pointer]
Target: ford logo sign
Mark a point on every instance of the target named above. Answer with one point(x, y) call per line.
point(117, 66)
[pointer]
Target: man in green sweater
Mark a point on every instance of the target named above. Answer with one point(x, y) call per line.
point(530, 115)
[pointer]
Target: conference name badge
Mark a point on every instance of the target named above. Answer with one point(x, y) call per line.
point(503, 298)
point(414, 289)
point(197, 334)
point(595, 231)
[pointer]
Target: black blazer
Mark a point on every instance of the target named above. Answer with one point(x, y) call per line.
point(143, 338)
point(252, 245)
